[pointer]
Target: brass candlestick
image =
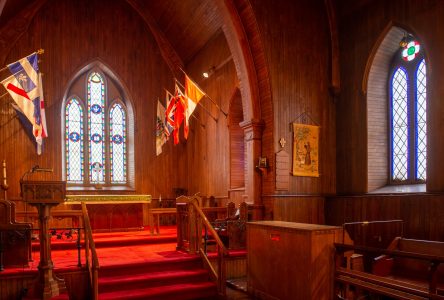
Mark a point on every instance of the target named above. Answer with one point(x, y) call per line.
point(4, 184)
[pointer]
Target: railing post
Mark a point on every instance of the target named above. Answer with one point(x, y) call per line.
point(433, 276)
point(79, 247)
point(192, 219)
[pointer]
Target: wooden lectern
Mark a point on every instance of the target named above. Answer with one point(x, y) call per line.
point(44, 195)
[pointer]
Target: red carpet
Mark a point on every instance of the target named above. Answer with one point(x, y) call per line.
point(135, 265)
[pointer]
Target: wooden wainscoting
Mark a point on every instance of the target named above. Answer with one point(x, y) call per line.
point(423, 214)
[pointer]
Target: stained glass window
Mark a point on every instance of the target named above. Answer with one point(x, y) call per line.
point(399, 125)
point(117, 136)
point(74, 158)
point(421, 121)
point(96, 127)
point(411, 51)
point(408, 119)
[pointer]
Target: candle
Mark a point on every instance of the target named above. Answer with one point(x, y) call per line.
point(4, 170)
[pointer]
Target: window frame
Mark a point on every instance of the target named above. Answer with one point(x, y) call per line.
point(410, 68)
point(109, 102)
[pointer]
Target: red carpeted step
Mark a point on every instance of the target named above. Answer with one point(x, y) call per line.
point(138, 281)
point(61, 297)
point(109, 242)
point(186, 291)
point(184, 263)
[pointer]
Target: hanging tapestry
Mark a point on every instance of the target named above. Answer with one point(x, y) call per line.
point(305, 150)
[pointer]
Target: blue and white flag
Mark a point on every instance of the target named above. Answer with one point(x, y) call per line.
point(25, 87)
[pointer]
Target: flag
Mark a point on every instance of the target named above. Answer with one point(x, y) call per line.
point(25, 87)
point(193, 94)
point(161, 138)
point(179, 98)
point(169, 113)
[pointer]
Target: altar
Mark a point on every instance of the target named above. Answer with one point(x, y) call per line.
point(114, 212)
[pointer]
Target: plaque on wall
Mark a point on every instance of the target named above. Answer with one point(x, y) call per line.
point(282, 171)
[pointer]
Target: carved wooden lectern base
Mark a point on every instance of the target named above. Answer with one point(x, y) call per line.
point(44, 195)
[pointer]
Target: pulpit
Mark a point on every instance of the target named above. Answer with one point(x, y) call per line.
point(44, 195)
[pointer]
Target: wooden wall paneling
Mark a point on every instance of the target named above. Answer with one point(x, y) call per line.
point(208, 146)
point(421, 213)
point(300, 209)
point(298, 59)
point(236, 133)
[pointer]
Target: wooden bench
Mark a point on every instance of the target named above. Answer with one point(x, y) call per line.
point(417, 271)
point(154, 217)
point(409, 269)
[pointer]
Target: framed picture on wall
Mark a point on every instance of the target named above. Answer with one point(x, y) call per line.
point(305, 150)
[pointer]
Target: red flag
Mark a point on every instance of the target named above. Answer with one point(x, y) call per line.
point(179, 99)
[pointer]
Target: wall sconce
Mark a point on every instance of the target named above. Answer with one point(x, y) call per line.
point(210, 72)
point(262, 164)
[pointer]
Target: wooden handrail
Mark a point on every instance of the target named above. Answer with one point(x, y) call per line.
point(93, 265)
point(210, 227)
point(196, 240)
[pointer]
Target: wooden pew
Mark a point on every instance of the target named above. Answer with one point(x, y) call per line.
point(421, 272)
point(414, 270)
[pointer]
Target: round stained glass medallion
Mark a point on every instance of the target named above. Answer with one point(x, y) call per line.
point(95, 108)
point(117, 139)
point(410, 51)
point(74, 136)
point(96, 138)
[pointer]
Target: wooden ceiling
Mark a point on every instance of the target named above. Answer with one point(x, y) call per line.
point(187, 24)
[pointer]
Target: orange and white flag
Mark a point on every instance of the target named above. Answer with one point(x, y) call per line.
point(193, 94)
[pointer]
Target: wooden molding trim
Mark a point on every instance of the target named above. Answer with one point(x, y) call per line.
point(335, 76)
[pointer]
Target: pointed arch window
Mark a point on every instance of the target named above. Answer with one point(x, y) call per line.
point(408, 115)
point(96, 131)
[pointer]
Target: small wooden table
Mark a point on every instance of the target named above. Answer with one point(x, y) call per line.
point(154, 217)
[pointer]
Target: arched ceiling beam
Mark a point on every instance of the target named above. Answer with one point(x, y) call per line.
point(167, 51)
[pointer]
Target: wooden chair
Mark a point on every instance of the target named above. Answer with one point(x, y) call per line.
point(232, 229)
point(15, 237)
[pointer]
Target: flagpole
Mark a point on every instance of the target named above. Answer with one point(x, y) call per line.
point(206, 109)
point(198, 120)
point(214, 102)
point(40, 51)
point(7, 93)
